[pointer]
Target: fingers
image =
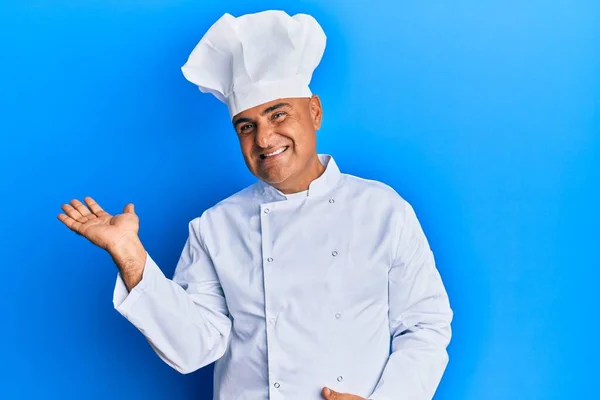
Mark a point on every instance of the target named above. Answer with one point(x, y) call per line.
point(83, 210)
point(70, 223)
point(96, 209)
point(329, 394)
point(77, 211)
point(71, 212)
point(77, 214)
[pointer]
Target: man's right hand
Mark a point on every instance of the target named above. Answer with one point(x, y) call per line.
point(98, 226)
point(116, 234)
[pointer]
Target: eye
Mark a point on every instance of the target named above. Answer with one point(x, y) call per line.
point(246, 127)
point(278, 114)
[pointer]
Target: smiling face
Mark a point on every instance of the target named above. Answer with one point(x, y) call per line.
point(278, 141)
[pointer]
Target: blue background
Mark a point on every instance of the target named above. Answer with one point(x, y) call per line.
point(484, 115)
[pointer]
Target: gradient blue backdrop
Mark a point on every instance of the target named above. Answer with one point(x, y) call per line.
point(483, 114)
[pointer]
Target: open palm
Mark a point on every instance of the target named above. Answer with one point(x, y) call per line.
point(98, 226)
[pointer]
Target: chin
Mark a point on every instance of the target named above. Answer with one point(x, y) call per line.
point(274, 177)
point(273, 180)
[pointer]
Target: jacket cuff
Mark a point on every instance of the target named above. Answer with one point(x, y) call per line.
point(123, 299)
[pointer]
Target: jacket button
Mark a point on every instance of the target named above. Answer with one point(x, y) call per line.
point(269, 259)
point(331, 200)
point(338, 315)
point(276, 384)
point(340, 378)
point(334, 253)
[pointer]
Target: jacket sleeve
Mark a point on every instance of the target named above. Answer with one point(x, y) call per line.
point(185, 319)
point(419, 315)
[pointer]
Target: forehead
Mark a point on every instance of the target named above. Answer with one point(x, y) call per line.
point(265, 108)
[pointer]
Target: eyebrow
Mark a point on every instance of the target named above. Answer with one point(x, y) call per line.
point(275, 107)
point(266, 111)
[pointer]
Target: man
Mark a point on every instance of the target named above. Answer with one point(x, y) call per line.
point(299, 285)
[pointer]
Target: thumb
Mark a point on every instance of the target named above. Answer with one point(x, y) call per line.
point(129, 208)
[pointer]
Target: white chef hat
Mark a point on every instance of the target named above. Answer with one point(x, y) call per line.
point(256, 58)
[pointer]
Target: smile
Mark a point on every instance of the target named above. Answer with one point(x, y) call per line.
point(273, 154)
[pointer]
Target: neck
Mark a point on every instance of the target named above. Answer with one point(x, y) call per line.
point(313, 170)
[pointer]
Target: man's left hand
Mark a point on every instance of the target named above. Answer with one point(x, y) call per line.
point(329, 394)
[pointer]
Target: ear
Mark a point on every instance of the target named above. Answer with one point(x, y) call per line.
point(316, 111)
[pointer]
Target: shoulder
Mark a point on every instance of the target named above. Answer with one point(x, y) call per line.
point(231, 207)
point(373, 190)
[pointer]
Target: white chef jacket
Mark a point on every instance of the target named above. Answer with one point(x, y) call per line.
point(333, 287)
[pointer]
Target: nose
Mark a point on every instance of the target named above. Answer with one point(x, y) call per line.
point(264, 136)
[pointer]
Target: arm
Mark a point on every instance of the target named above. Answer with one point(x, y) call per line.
point(420, 317)
point(185, 319)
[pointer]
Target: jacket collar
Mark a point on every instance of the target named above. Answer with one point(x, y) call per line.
point(321, 185)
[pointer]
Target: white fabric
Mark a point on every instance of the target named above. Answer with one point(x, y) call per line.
point(303, 193)
point(290, 295)
point(256, 58)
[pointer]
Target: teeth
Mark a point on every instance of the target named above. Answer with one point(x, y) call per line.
point(276, 152)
